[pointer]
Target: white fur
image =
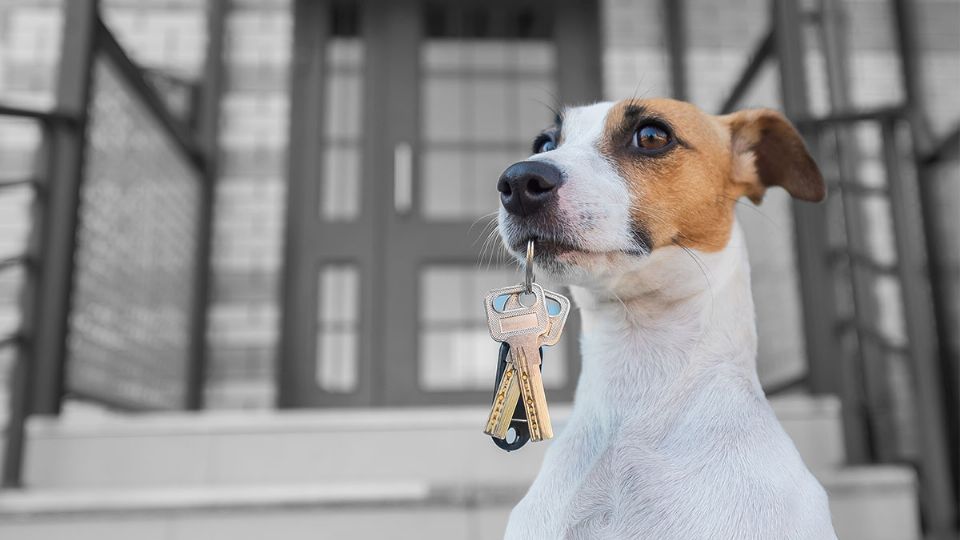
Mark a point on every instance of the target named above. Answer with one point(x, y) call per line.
point(593, 200)
point(671, 436)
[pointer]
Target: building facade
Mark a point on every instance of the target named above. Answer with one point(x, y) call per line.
point(488, 91)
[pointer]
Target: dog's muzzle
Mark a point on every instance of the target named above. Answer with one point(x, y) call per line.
point(528, 187)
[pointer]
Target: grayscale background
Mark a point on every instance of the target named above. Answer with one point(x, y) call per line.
point(243, 245)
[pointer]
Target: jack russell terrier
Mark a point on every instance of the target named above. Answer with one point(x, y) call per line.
point(671, 437)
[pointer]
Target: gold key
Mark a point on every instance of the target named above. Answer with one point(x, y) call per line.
point(504, 403)
point(508, 391)
point(521, 329)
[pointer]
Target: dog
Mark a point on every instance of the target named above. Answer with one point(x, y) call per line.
point(631, 204)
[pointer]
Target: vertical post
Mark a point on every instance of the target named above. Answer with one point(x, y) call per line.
point(676, 40)
point(37, 376)
point(13, 441)
point(575, 30)
point(208, 131)
point(833, 33)
point(904, 17)
point(936, 232)
point(310, 31)
point(62, 199)
point(937, 496)
point(819, 310)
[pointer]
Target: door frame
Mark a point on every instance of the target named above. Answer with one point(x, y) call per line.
point(391, 31)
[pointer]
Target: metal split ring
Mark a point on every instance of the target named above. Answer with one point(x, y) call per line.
point(528, 280)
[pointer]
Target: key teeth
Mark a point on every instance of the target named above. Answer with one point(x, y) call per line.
point(495, 419)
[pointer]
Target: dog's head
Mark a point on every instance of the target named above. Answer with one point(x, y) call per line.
point(613, 183)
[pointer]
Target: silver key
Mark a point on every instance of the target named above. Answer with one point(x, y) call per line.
point(522, 329)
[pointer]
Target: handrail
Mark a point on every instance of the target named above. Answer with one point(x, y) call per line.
point(946, 147)
point(864, 261)
point(12, 261)
point(761, 53)
point(36, 114)
point(8, 184)
point(884, 342)
point(39, 385)
point(10, 339)
point(847, 117)
point(133, 74)
point(858, 188)
point(790, 383)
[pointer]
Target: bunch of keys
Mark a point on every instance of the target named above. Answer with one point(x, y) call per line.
point(520, 401)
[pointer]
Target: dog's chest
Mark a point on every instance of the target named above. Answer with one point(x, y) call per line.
point(695, 476)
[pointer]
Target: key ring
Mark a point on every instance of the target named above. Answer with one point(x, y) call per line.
point(528, 280)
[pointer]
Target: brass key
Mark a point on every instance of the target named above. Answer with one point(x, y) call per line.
point(508, 391)
point(504, 403)
point(521, 328)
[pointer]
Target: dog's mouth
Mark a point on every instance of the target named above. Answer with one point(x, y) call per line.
point(553, 249)
point(546, 247)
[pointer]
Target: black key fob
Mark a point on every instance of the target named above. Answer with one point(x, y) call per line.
point(519, 422)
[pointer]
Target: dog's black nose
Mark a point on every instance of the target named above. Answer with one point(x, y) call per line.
point(527, 186)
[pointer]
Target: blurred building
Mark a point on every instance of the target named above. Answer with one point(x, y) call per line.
point(351, 151)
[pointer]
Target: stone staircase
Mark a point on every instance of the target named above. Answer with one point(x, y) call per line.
point(413, 473)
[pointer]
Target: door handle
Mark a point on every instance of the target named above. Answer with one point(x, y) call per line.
point(403, 178)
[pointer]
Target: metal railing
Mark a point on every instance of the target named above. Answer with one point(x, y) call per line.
point(115, 290)
point(878, 368)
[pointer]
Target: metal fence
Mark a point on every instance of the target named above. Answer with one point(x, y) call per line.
point(114, 295)
point(869, 256)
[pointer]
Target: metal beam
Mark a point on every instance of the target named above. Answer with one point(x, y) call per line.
point(37, 114)
point(936, 489)
point(945, 148)
point(62, 186)
point(10, 184)
point(12, 261)
point(833, 37)
point(676, 41)
point(577, 40)
point(849, 116)
point(9, 340)
point(758, 58)
point(820, 318)
point(208, 132)
point(37, 377)
point(132, 74)
point(936, 234)
point(904, 16)
point(310, 29)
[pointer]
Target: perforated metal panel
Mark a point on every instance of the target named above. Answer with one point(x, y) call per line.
point(136, 247)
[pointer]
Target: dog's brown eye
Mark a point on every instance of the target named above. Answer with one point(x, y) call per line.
point(651, 137)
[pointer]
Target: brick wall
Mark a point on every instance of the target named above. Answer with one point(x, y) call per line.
point(247, 253)
point(244, 314)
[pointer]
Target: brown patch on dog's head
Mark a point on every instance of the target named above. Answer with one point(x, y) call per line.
point(683, 193)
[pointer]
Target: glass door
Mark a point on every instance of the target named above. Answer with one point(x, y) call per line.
point(453, 93)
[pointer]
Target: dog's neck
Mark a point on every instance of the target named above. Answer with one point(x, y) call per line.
point(672, 317)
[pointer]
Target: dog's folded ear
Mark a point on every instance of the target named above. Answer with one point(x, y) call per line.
point(768, 151)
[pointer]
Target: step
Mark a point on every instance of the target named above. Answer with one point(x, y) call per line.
point(877, 501)
point(291, 447)
point(870, 503)
point(374, 511)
